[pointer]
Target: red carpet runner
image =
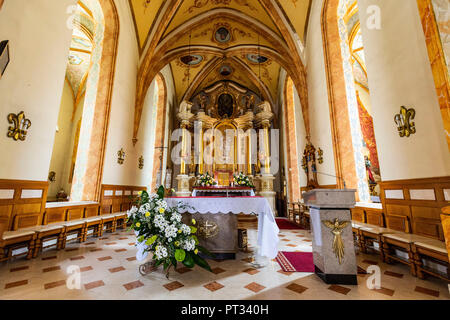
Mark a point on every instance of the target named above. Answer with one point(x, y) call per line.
point(285, 224)
point(296, 261)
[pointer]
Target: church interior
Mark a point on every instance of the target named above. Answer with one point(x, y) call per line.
point(275, 119)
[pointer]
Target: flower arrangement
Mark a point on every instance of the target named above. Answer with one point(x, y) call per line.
point(159, 230)
point(242, 180)
point(206, 180)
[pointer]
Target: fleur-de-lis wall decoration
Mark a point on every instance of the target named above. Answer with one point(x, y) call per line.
point(404, 122)
point(141, 162)
point(320, 156)
point(121, 156)
point(20, 126)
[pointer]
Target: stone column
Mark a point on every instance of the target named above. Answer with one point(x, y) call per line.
point(184, 116)
point(263, 119)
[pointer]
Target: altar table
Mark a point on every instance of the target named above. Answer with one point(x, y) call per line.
point(223, 191)
point(267, 244)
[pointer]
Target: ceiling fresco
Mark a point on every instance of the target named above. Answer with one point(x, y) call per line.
point(248, 42)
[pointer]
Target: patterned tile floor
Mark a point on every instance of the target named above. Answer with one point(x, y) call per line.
point(109, 270)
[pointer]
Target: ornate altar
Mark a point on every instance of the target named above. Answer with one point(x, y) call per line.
point(222, 191)
point(229, 127)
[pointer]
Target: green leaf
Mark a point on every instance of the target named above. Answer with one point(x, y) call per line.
point(189, 261)
point(205, 251)
point(193, 229)
point(180, 254)
point(141, 238)
point(174, 262)
point(195, 239)
point(160, 192)
point(150, 241)
point(201, 263)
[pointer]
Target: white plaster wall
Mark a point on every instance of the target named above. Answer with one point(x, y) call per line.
point(319, 110)
point(33, 82)
point(400, 74)
point(146, 136)
point(120, 131)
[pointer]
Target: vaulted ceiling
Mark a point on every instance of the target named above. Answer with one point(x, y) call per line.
point(204, 41)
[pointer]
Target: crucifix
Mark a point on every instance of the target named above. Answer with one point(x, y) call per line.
point(159, 174)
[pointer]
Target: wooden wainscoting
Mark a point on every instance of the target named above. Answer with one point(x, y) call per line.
point(68, 211)
point(22, 203)
point(415, 205)
point(368, 215)
point(115, 198)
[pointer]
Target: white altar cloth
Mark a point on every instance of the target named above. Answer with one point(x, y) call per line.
point(267, 244)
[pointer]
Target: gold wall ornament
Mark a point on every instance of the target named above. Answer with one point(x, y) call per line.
point(52, 176)
point(207, 229)
point(320, 156)
point(141, 162)
point(404, 122)
point(337, 228)
point(21, 125)
point(121, 156)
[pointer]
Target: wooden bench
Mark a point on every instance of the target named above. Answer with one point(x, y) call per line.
point(433, 250)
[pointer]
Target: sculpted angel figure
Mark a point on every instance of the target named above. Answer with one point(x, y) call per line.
point(249, 102)
point(203, 103)
point(337, 228)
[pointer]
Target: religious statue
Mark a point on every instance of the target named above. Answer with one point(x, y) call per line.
point(185, 107)
point(337, 228)
point(309, 164)
point(265, 107)
point(369, 170)
point(203, 103)
point(249, 102)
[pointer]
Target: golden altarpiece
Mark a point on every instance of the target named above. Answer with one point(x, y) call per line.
point(226, 131)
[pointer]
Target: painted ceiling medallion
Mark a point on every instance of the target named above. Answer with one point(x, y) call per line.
point(225, 70)
point(191, 60)
point(222, 35)
point(254, 58)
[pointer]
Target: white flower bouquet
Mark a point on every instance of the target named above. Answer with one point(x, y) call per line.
point(242, 180)
point(205, 180)
point(160, 231)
